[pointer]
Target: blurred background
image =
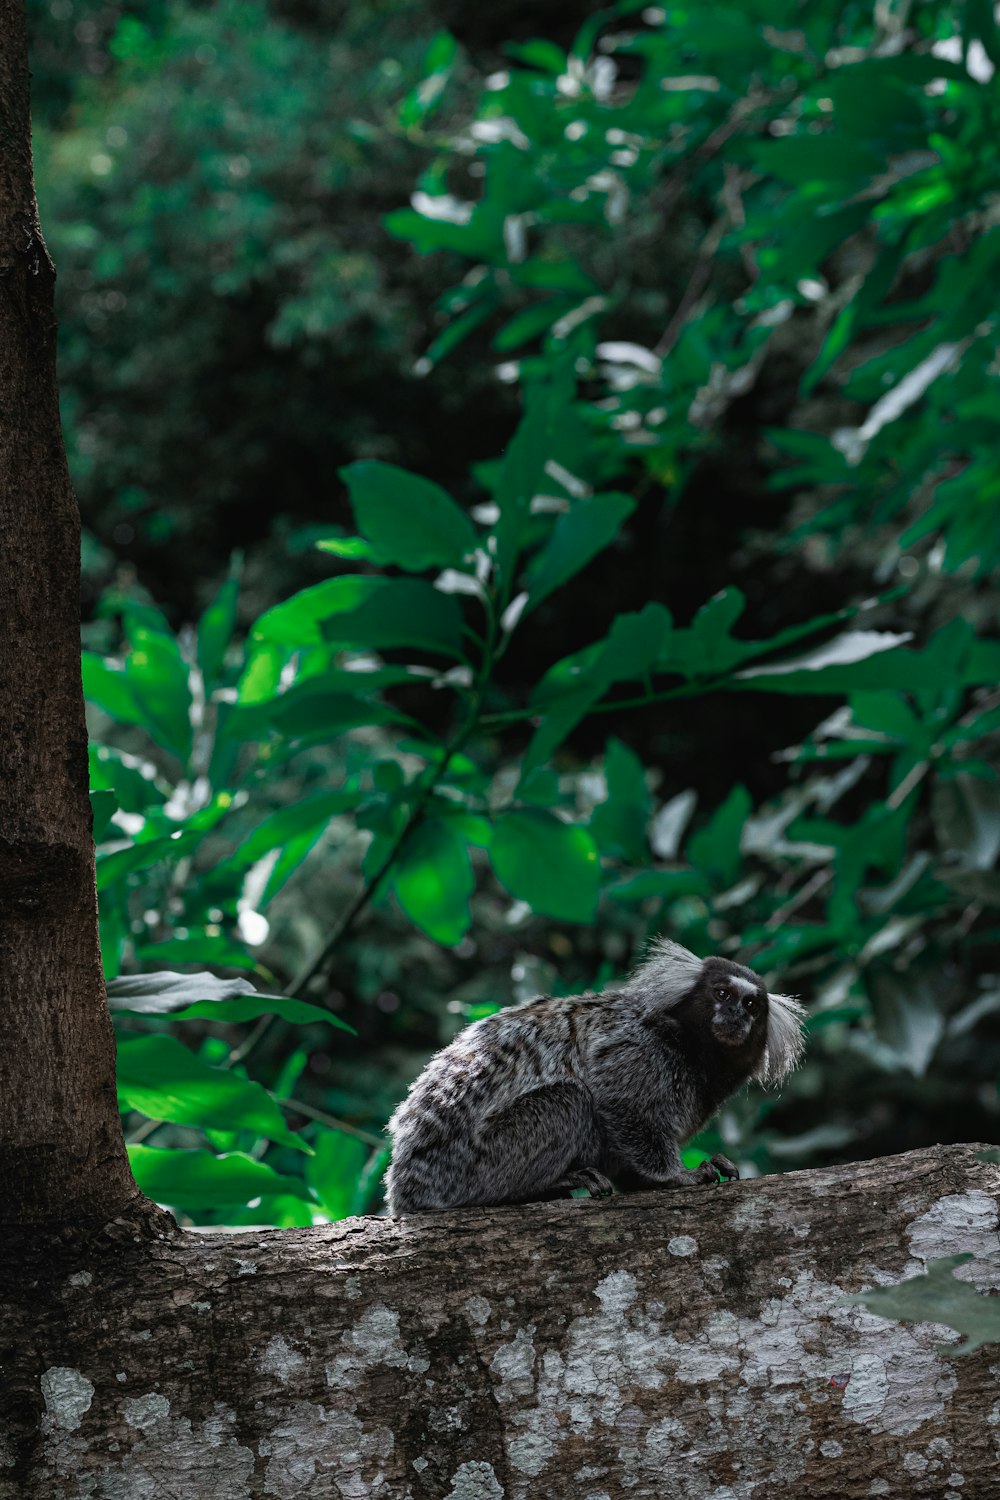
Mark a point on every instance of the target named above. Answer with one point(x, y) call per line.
point(540, 480)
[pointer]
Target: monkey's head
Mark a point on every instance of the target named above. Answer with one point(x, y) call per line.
point(732, 1003)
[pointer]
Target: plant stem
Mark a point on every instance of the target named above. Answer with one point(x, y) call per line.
point(418, 812)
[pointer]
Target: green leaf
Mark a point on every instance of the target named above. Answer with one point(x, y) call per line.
point(439, 61)
point(551, 865)
point(530, 322)
point(108, 686)
point(251, 1007)
point(262, 673)
point(433, 881)
point(310, 711)
point(296, 622)
point(161, 1078)
point(186, 996)
point(835, 667)
point(706, 648)
point(121, 862)
point(200, 945)
point(407, 520)
point(570, 689)
point(334, 1171)
point(404, 612)
point(619, 823)
point(523, 467)
point(132, 779)
point(662, 885)
point(367, 612)
point(216, 626)
point(716, 848)
point(158, 678)
point(810, 159)
point(310, 816)
point(200, 1179)
point(577, 537)
point(103, 806)
point(938, 1297)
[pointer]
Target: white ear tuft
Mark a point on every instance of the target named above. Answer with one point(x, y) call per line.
point(666, 973)
point(785, 1041)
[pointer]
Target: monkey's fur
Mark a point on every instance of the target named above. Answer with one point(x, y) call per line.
point(568, 1093)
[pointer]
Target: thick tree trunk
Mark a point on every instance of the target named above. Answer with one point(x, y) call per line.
point(61, 1150)
point(693, 1344)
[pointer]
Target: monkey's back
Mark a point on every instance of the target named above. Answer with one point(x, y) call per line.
point(485, 1069)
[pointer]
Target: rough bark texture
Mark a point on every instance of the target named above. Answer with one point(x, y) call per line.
point(692, 1343)
point(61, 1150)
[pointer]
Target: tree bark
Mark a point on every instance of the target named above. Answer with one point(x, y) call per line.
point(691, 1343)
point(61, 1151)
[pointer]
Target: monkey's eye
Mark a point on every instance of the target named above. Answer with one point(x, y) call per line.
point(723, 993)
point(750, 1002)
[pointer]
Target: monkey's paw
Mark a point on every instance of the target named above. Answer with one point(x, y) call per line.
point(594, 1182)
point(725, 1168)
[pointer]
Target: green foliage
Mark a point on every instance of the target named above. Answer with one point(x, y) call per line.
point(705, 646)
point(937, 1297)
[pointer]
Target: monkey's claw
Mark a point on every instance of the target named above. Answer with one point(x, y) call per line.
point(725, 1168)
point(594, 1182)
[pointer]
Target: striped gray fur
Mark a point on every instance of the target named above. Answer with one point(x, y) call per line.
point(583, 1090)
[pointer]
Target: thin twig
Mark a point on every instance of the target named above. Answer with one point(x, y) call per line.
point(697, 282)
point(297, 1107)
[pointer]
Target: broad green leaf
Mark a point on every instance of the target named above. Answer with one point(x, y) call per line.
point(538, 53)
point(216, 627)
point(529, 322)
point(829, 159)
point(523, 468)
point(296, 622)
point(158, 679)
point(310, 711)
point(577, 537)
point(570, 689)
point(185, 996)
point(262, 673)
point(199, 945)
point(163, 1079)
point(200, 1179)
point(311, 815)
point(367, 612)
point(103, 806)
point(133, 780)
point(619, 823)
point(334, 1170)
point(938, 1297)
point(831, 668)
point(551, 865)
point(433, 881)
point(404, 612)
point(115, 866)
point(407, 520)
point(421, 102)
point(716, 847)
point(886, 713)
point(251, 1007)
point(109, 687)
point(634, 645)
point(662, 885)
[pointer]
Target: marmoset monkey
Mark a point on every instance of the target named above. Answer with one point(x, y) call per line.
point(568, 1093)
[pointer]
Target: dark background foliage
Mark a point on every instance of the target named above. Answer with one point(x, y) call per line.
point(728, 275)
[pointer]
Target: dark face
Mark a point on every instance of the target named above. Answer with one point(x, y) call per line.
point(734, 1002)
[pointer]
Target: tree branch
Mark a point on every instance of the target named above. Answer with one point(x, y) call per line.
point(693, 1343)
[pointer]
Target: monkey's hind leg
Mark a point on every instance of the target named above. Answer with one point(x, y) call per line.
point(548, 1141)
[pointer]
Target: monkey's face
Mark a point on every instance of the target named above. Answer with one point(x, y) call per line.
point(735, 1000)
